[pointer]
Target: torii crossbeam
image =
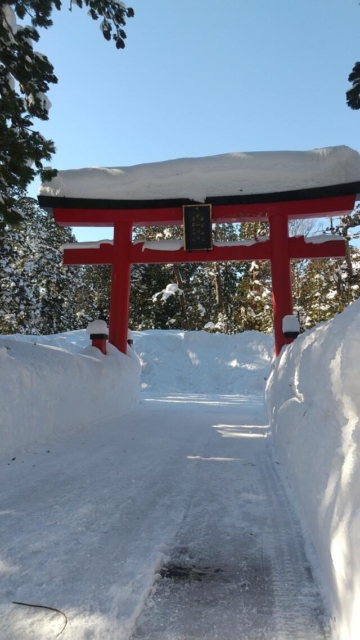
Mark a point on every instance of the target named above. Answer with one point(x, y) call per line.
point(71, 208)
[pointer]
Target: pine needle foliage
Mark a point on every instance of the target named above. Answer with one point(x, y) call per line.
point(38, 294)
point(353, 94)
point(25, 78)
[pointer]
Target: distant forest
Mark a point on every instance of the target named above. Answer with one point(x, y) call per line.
point(41, 296)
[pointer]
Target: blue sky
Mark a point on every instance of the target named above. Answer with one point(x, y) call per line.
point(199, 78)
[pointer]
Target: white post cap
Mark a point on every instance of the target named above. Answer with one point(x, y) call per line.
point(97, 327)
point(290, 324)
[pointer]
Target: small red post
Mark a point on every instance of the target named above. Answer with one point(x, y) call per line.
point(98, 332)
point(99, 341)
point(281, 275)
point(120, 286)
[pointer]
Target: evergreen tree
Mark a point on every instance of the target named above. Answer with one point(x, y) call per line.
point(353, 94)
point(322, 288)
point(149, 279)
point(318, 300)
point(234, 296)
point(202, 297)
point(18, 305)
point(146, 312)
point(97, 288)
point(38, 294)
point(226, 280)
point(25, 78)
point(254, 288)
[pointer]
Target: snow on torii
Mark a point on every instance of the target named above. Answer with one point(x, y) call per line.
point(274, 186)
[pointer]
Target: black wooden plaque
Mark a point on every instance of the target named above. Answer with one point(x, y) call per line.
point(197, 227)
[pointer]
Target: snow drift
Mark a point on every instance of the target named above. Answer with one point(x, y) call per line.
point(314, 406)
point(199, 362)
point(53, 385)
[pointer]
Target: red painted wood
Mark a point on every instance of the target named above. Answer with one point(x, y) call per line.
point(315, 208)
point(102, 255)
point(281, 276)
point(298, 249)
point(109, 217)
point(256, 251)
point(99, 343)
point(120, 286)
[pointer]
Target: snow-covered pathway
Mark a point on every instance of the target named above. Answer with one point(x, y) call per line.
point(185, 483)
point(237, 569)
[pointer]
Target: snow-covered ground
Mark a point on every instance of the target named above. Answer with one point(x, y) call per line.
point(169, 520)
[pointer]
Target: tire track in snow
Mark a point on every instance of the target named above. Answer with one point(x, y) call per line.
point(239, 566)
point(299, 612)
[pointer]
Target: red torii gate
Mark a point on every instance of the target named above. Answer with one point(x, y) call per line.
point(279, 248)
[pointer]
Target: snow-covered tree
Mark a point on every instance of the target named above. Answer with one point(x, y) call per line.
point(254, 290)
point(96, 296)
point(18, 304)
point(235, 296)
point(25, 78)
point(37, 293)
point(322, 288)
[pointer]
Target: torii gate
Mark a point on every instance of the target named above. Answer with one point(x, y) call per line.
point(279, 248)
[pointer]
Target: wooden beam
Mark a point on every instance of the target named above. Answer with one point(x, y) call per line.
point(104, 254)
point(231, 213)
point(256, 251)
point(298, 249)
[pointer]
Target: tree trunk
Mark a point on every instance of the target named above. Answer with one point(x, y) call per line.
point(218, 282)
point(346, 224)
point(179, 283)
point(218, 287)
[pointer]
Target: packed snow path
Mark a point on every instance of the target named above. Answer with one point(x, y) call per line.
point(237, 569)
point(170, 525)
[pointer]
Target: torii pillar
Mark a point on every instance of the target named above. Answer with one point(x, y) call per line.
point(120, 285)
point(280, 275)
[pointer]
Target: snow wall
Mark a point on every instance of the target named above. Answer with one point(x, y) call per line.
point(196, 362)
point(313, 397)
point(54, 385)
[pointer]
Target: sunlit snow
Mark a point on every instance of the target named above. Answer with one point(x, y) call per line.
point(214, 176)
point(187, 515)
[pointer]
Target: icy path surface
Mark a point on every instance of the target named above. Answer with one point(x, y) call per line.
point(169, 526)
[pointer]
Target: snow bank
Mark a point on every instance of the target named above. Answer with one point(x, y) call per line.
point(199, 362)
point(53, 385)
point(228, 174)
point(314, 404)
